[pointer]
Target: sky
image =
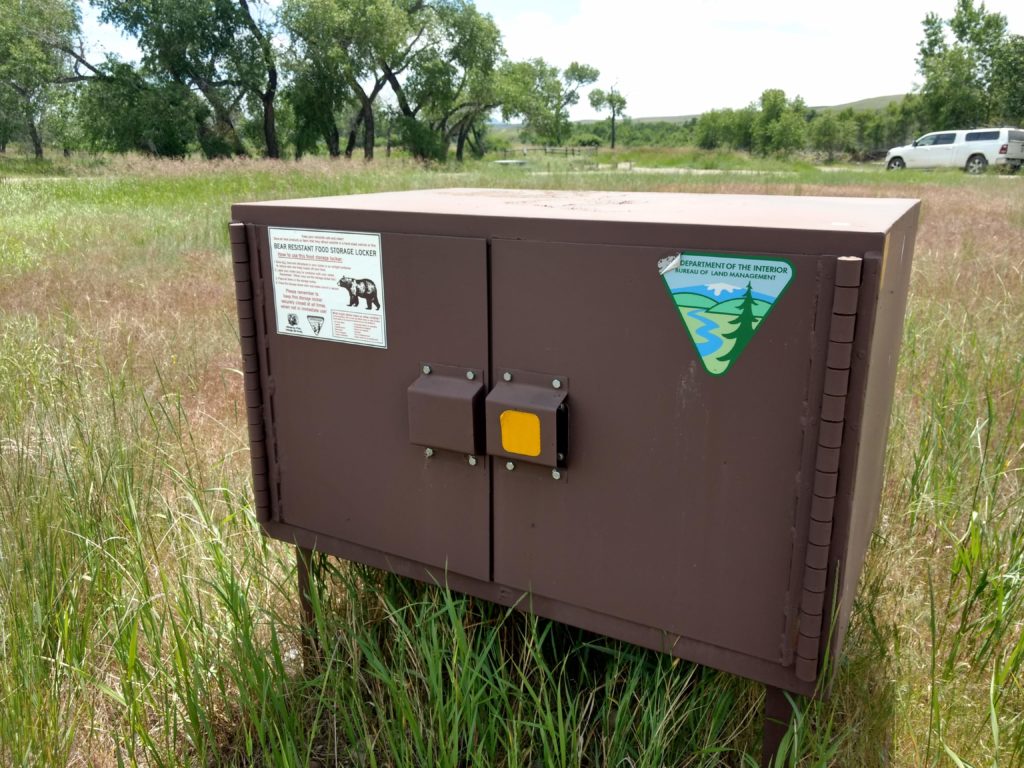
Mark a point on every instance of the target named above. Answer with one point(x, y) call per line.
point(686, 57)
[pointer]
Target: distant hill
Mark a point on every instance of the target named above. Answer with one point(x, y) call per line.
point(871, 104)
point(864, 105)
point(875, 102)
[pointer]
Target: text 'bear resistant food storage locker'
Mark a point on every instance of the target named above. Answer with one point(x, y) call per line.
point(660, 417)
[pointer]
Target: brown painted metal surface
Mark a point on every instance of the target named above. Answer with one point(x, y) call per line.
point(682, 489)
point(712, 516)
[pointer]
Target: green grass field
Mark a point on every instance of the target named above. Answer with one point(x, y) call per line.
point(144, 620)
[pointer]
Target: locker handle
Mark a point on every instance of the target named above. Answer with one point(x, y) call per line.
point(446, 409)
point(528, 423)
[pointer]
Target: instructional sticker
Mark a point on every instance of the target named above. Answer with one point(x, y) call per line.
point(723, 300)
point(328, 285)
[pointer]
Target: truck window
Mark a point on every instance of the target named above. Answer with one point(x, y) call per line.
point(983, 136)
point(1016, 135)
point(927, 141)
point(945, 138)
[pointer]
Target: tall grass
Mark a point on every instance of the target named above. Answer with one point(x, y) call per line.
point(145, 621)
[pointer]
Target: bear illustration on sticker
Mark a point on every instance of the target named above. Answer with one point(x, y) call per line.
point(723, 300)
point(360, 289)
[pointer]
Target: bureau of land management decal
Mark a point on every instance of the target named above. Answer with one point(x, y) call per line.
point(723, 300)
point(328, 285)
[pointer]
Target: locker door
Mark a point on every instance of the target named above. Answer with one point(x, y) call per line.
point(682, 485)
point(339, 415)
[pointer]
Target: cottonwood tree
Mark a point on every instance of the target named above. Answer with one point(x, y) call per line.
point(356, 44)
point(453, 84)
point(780, 126)
point(1008, 80)
point(316, 97)
point(611, 100)
point(37, 42)
point(11, 119)
point(541, 95)
point(959, 59)
point(125, 109)
point(831, 132)
point(222, 49)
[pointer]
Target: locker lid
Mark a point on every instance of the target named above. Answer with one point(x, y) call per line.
point(830, 214)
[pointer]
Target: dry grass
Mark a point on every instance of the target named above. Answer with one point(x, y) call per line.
point(123, 496)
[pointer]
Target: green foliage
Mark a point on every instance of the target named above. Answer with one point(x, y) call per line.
point(36, 38)
point(125, 111)
point(831, 133)
point(1008, 82)
point(441, 61)
point(12, 119)
point(531, 90)
point(582, 139)
point(648, 133)
point(733, 128)
point(611, 100)
point(712, 129)
point(213, 47)
point(541, 95)
point(780, 127)
point(971, 69)
point(342, 53)
point(421, 140)
point(453, 83)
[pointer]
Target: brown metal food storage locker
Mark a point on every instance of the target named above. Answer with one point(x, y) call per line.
point(661, 416)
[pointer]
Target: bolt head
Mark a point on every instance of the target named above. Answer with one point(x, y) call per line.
point(555, 474)
point(470, 375)
point(426, 369)
point(471, 460)
point(556, 383)
point(507, 376)
point(510, 465)
point(428, 452)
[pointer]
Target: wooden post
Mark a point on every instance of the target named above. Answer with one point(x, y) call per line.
point(777, 715)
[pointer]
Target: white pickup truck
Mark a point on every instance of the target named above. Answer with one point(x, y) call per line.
point(973, 150)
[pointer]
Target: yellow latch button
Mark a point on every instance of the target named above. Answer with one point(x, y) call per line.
point(520, 433)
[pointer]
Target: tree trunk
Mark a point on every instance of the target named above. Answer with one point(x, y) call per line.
point(222, 115)
point(37, 141)
point(3, 146)
point(269, 122)
point(368, 131)
point(476, 143)
point(333, 139)
point(267, 97)
point(353, 133)
point(460, 143)
point(613, 130)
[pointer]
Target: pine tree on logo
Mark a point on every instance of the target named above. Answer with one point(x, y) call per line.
point(743, 328)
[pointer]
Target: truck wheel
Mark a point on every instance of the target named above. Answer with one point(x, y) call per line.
point(896, 164)
point(976, 164)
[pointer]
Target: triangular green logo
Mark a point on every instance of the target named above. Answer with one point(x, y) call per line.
point(723, 300)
